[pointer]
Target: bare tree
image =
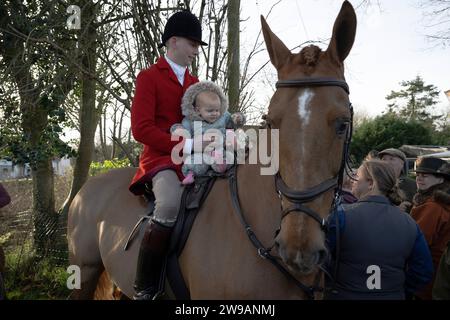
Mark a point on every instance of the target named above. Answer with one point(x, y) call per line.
point(437, 20)
point(88, 114)
point(233, 70)
point(436, 14)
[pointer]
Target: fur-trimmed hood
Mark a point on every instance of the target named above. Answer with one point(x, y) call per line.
point(439, 193)
point(187, 103)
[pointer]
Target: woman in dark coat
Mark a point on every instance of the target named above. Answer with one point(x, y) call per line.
point(382, 250)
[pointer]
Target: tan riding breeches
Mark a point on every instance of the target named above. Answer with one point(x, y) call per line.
point(168, 191)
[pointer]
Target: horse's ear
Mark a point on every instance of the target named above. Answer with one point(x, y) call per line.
point(278, 52)
point(344, 31)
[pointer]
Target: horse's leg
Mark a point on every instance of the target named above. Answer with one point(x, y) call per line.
point(106, 289)
point(82, 253)
point(90, 275)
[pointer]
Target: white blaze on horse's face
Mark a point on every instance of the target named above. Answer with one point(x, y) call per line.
point(303, 106)
point(304, 112)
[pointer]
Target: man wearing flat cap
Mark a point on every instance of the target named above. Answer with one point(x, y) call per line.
point(407, 187)
point(155, 108)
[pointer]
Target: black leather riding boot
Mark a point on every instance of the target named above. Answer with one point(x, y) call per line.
point(153, 249)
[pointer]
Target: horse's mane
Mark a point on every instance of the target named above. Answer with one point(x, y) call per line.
point(308, 58)
point(310, 55)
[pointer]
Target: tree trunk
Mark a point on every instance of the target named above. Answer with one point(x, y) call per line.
point(102, 133)
point(34, 122)
point(44, 216)
point(233, 72)
point(113, 143)
point(89, 115)
point(233, 54)
point(18, 55)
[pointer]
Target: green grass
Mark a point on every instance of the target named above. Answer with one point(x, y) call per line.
point(29, 277)
point(105, 166)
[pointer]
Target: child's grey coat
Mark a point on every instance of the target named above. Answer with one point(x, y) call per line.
point(196, 126)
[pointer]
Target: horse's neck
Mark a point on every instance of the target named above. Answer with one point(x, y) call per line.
point(259, 201)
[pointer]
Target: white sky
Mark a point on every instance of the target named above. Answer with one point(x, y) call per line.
point(390, 44)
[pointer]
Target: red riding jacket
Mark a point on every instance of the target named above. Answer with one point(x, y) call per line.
point(155, 108)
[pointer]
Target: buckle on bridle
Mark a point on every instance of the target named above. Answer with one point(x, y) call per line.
point(262, 252)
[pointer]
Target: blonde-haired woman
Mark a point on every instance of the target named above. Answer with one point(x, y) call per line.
point(382, 252)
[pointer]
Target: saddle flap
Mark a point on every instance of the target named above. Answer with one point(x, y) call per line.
point(191, 201)
point(196, 193)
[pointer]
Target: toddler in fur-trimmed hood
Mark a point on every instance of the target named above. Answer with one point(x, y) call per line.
point(205, 108)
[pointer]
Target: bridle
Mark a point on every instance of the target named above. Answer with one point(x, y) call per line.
point(298, 198)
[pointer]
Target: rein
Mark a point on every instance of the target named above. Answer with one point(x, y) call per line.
point(264, 252)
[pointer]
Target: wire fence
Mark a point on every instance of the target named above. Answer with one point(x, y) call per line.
point(19, 232)
point(35, 258)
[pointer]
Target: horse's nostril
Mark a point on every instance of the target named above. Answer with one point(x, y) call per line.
point(321, 256)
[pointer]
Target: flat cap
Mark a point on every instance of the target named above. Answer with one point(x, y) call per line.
point(393, 152)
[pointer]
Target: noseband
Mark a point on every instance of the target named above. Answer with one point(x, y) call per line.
point(298, 198)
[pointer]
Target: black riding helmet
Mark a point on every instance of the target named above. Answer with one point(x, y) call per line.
point(432, 165)
point(183, 24)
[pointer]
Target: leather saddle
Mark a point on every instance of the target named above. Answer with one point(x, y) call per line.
point(191, 201)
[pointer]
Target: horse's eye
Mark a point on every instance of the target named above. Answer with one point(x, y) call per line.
point(342, 126)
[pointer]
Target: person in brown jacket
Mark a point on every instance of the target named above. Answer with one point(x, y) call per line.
point(441, 288)
point(431, 209)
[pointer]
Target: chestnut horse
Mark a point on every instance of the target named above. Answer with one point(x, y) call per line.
point(310, 108)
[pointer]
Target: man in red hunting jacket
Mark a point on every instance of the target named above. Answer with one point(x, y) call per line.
point(155, 108)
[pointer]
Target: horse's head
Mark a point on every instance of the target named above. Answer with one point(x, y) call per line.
point(313, 120)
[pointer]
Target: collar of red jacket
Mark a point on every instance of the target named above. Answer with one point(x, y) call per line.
point(163, 64)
